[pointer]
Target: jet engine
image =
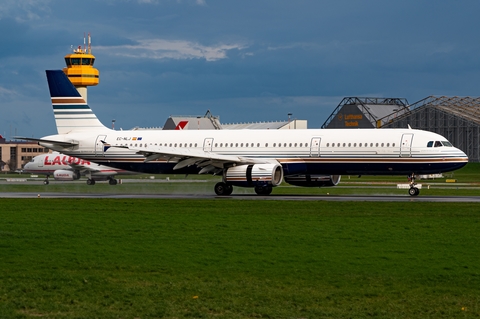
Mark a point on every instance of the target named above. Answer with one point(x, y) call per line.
point(313, 180)
point(254, 175)
point(64, 175)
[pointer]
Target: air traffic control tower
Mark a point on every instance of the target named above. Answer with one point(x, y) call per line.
point(80, 68)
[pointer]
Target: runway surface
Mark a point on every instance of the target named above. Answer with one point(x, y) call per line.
point(341, 198)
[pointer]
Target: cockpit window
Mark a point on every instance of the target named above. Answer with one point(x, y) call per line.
point(430, 144)
point(447, 143)
point(438, 144)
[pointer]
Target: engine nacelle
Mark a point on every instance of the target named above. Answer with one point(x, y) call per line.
point(313, 180)
point(254, 175)
point(64, 175)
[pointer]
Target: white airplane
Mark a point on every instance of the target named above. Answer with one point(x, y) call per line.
point(247, 158)
point(68, 168)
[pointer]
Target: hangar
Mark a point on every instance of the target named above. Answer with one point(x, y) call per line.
point(456, 118)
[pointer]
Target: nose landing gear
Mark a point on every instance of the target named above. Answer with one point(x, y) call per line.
point(413, 190)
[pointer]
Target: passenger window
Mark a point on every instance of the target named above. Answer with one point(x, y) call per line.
point(266, 144)
point(195, 144)
point(343, 144)
point(376, 144)
point(295, 144)
point(388, 144)
point(241, 145)
point(290, 145)
point(360, 145)
point(306, 144)
point(231, 144)
point(393, 144)
point(258, 144)
point(274, 144)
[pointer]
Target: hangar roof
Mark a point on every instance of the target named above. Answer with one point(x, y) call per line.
point(464, 107)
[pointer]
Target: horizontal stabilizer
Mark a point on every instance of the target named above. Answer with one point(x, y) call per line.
point(44, 141)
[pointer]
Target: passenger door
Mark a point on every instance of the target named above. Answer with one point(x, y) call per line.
point(99, 145)
point(406, 145)
point(207, 144)
point(315, 147)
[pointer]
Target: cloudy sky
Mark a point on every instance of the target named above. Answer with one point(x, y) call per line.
point(245, 61)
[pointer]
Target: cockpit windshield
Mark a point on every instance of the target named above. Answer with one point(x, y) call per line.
point(439, 144)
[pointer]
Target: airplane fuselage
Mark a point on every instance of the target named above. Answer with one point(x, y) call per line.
point(324, 151)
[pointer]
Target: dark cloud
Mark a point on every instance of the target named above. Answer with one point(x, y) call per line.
point(244, 60)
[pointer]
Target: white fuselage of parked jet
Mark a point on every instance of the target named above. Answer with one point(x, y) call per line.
point(68, 168)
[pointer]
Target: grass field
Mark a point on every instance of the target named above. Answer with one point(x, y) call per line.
point(106, 258)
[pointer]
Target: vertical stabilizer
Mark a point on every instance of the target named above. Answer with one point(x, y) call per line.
point(71, 111)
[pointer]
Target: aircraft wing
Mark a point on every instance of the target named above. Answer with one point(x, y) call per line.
point(208, 161)
point(83, 168)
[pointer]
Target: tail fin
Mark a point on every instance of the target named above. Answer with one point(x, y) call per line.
point(71, 111)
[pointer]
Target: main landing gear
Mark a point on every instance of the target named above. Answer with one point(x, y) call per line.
point(263, 190)
point(224, 189)
point(413, 190)
point(111, 181)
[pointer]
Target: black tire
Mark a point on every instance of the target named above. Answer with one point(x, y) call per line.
point(229, 190)
point(112, 181)
point(263, 190)
point(222, 189)
point(413, 191)
point(46, 182)
point(90, 182)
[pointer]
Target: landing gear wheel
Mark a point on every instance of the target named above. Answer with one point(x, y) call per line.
point(263, 190)
point(112, 181)
point(46, 182)
point(413, 191)
point(90, 182)
point(223, 189)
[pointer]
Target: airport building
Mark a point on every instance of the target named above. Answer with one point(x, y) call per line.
point(15, 154)
point(212, 122)
point(365, 112)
